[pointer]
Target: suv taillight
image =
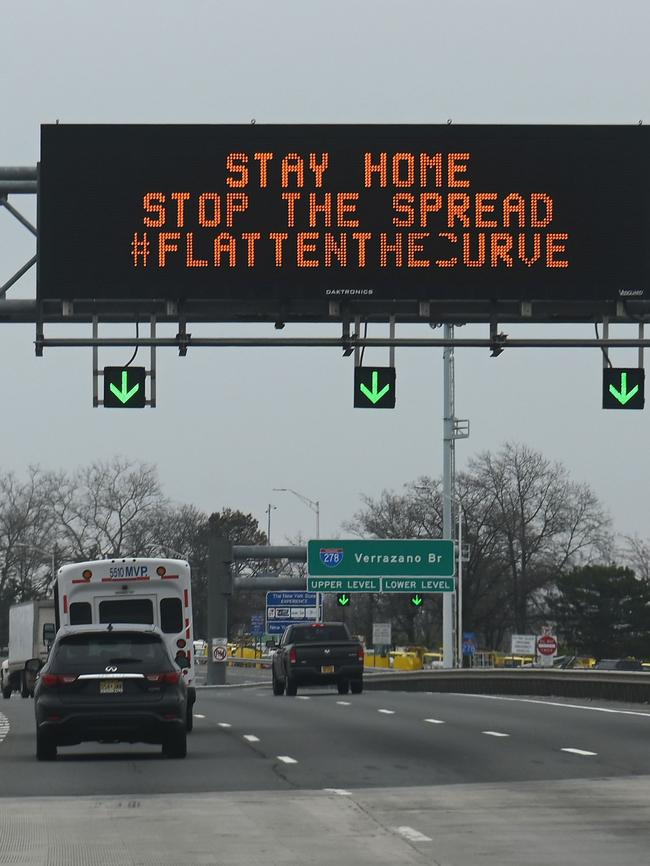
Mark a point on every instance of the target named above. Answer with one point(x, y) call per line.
point(169, 677)
point(50, 680)
point(292, 656)
point(360, 654)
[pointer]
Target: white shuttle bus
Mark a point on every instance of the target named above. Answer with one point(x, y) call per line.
point(145, 590)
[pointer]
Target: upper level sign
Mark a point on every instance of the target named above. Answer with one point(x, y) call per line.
point(275, 221)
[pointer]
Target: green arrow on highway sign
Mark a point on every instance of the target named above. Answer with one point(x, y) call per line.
point(125, 393)
point(124, 387)
point(416, 600)
point(343, 600)
point(623, 395)
point(374, 387)
point(623, 388)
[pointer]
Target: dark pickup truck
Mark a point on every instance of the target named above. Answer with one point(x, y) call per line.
point(317, 654)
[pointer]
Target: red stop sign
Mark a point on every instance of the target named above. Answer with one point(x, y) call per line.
point(546, 645)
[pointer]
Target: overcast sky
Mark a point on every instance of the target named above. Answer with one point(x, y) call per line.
point(232, 424)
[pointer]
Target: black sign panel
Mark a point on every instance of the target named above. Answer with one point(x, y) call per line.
point(124, 387)
point(276, 218)
point(374, 387)
point(623, 388)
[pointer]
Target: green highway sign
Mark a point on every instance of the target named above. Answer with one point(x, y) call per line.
point(374, 387)
point(623, 388)
point(343, 584)
point(124, 387)
point(417, 585)
point(380, 558)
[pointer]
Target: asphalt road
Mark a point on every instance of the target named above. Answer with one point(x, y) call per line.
point(380, 777)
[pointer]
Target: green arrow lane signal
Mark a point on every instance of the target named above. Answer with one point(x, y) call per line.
point(374, 387)
point(375, 395)
point(623, 388)
point(623, 395)
point(343, 600)
point(416, 600)
point(124, 394)
point(124, 387)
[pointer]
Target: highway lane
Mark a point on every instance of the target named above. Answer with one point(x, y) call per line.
point(468, 773)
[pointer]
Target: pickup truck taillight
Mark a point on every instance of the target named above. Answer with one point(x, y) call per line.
point(50, 680)
point(360, 654)
point(292, 656)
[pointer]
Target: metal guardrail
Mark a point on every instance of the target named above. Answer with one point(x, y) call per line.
point(633, 686)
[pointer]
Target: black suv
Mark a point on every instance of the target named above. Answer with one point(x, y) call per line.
point(110, 684)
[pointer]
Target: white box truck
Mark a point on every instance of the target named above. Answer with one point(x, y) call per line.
point(31, 631)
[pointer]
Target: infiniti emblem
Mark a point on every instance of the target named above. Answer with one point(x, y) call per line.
point(327, 652)
point(110, 669)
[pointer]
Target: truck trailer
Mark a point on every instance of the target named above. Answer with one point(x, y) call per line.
point(31, 631)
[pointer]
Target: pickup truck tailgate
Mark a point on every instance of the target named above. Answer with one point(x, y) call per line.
point(315, 655)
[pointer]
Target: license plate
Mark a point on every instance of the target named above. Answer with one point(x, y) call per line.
point(327, 669)
point(111, 687)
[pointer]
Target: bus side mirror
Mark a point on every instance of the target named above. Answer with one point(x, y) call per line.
point(49, 632)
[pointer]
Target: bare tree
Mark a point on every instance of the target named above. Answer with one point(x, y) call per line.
point(543, 523)
point(102, 509)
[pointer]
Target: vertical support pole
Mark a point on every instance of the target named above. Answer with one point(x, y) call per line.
point(447, 491)
point(152, 390)
point(605, 337)
point(219, 588)
point(459, 588)
point(640, 347)
point(391, 334)
point(95, 364)
point(357, 349)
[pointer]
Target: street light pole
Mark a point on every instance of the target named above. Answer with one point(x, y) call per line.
point(313, 504)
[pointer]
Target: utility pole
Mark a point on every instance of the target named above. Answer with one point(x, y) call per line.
point(220, 557)
point(447, 490)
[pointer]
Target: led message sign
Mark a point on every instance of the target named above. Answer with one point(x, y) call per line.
point(277, 216)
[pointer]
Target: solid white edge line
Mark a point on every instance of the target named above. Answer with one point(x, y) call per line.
point(435, 721)
point(495, 734)
point(579, 752)
point(412, 835)
point(286, 759)
point(251, 738)
point(551, 704)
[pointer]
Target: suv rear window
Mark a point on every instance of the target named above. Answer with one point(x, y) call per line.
point(318, 634)
point(88, 652)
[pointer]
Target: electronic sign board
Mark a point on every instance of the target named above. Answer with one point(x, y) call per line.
point(279, 219)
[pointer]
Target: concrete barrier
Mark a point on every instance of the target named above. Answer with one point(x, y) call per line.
point(633, 687)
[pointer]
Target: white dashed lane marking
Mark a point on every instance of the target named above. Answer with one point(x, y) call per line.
point(340, 791)
point(387, 712)
point(4, 726)
point(495, 734)
point(198, 716)
point(343, 704)
point(251, 738)
point(412, 835)
point(286, 759)
point(224, 725)
point(434, 721)
point(579, 752)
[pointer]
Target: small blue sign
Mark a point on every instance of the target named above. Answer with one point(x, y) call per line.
point(331, 556)
point(289, 608)
point(469, 643)
point(257, 625)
